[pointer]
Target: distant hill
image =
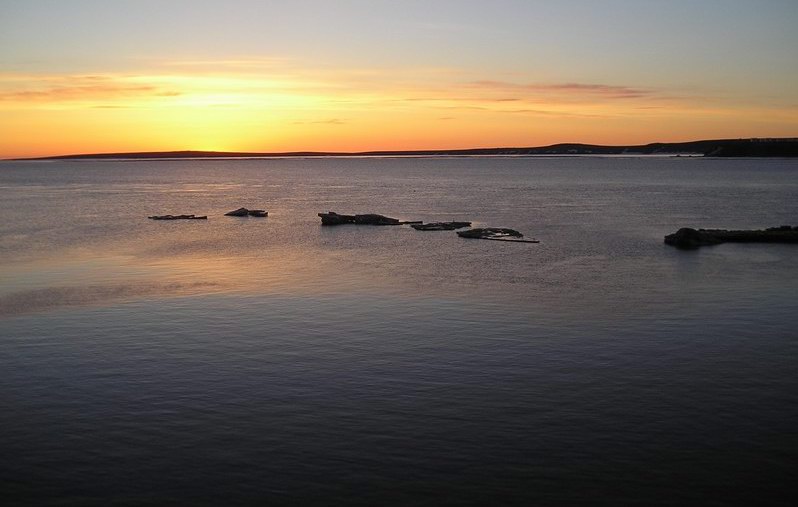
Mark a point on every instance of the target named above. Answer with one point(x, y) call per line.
point(786, 147)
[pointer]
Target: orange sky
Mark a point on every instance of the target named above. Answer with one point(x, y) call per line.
point(59, 97)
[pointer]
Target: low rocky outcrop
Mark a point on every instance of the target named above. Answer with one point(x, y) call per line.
point(332, 218)
point(440, 226)
point(178, 217)
point(374, 219)
point(243, 212)
point(689, 238)
point(496, 234)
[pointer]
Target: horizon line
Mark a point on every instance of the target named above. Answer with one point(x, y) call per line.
point(445, 151)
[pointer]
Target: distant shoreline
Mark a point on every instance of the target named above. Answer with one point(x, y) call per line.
point(782, 147)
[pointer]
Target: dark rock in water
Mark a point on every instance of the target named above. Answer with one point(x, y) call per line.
point(332, 218)
point(691, 238)
point(243, 212)
point(240, 212)
point(178, 217)
point(490, 232)
point(440, 226)
point(496, 234)
point(374, 219)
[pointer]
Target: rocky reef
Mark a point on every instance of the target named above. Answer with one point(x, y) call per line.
point(178, 217)
point(332, 218)
point(243, 212)
point(496, 234)
point(689, 238)
point(440, 226)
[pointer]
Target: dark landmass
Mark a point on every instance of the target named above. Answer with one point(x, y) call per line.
point(783, 147)
point(692, 238)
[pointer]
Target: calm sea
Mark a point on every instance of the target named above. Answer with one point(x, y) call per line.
point(270, 361)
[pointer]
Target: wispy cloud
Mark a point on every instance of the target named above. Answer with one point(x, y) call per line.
point(65, 93)
point(445, 98)
point(38, 89)
point(592, 90)
point(554, 112)
point(282, 88)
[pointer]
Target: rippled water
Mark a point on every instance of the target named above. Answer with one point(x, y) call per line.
point(245, 361)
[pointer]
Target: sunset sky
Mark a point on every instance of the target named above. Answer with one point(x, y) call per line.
point(109, 76)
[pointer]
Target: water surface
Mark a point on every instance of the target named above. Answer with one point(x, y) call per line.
point(241, 361)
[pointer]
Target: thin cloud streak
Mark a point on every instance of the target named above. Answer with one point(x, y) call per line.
point(66, 93)
point(585, 89)
point(56, 89)
point(526, 111)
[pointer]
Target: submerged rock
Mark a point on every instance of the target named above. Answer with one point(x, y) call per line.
point(440, 226)
point(688, 238)
point(243, 212)
point(496, 234)
point(178, 217)
point(332, 218)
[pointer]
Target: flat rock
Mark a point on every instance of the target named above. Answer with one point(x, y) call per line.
point(333, 218)
point(243, 212)
point(490, 232)
point(440, 226)
point(689, 238)
point(240, 212)
point(496, 234)
point(374, 219)
point(178, 217)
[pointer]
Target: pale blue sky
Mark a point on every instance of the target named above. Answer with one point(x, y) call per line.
point(730, 43)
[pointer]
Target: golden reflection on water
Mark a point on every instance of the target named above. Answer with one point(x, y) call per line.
point(109, 274)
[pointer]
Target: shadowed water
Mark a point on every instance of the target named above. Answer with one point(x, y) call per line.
point(244, 361)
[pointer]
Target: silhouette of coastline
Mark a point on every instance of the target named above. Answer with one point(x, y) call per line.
point(780, 147)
